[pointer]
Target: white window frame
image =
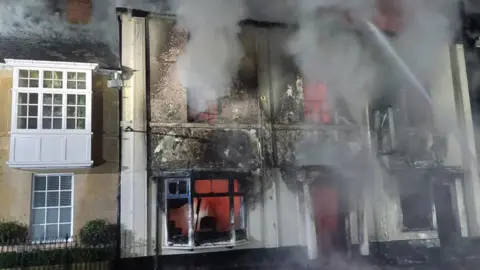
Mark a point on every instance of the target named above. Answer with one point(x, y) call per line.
point(189, 196)
point(32, 208)
point(42, 66)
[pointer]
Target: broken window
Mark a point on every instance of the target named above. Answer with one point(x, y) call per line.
point(204, 211)
point(416, 203)
point(315, 104)
point(238, 103)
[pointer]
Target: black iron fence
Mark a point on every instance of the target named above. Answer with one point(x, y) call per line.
point(59, 254)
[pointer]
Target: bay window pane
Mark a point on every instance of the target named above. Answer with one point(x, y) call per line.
point(71, 85)
point(57, 111)
point(34, 74)
point(32, 110)
point(22, 110)
point(71, 111)
point(33, 83)
point(57, 99)
point(81, 76)
point(47, 74)
point(22, 73)
point(81, 111)
point(58, 75)
point(47, 98)
point(23, 83)
point(71, 99)
point(22, 98)
point(33, 98)
point(47, 83)
point(57, 123)
point(47, 110)
point(22, 123)
point(57, 84)
point(47, 123)
point(80, 123)
point(70, 123)
point(32, 123)
point(81, 85)
point(71, 76)
point(81, 100)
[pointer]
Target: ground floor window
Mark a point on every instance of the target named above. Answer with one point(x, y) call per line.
point(52, 207)
point(416, 202)
point(204, 210)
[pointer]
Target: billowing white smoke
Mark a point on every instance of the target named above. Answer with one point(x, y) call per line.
point(213, 52)
point(35, 20)
point(328, 49)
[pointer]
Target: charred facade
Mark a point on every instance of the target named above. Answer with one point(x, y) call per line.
point(261, 165)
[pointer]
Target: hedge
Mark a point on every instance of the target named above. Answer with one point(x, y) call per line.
point(55, 256)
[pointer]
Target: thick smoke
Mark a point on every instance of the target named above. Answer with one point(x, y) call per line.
point(37, 20)
point(331, 48)
point(213, 52)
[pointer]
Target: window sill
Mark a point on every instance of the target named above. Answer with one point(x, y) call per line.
point(227, 245)
point(49, 165)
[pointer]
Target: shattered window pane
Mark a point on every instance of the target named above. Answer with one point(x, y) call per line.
point(211, 212)
point(416, 203)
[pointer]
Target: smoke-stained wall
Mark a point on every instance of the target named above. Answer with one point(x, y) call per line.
point(180, 142)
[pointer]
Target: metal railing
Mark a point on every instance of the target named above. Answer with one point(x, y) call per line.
point(57, 254)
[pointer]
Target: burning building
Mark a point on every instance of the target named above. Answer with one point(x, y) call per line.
point(279, 144)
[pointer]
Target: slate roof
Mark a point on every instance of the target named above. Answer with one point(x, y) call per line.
point(80, 50)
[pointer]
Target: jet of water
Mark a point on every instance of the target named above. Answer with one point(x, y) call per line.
point(383, 43)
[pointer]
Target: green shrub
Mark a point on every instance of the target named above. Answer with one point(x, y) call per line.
point(12, 232)
point(97, 232)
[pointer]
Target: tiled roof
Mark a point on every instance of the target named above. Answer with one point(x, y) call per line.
point(59, 50)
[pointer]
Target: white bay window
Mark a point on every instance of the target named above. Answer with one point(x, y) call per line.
point(51, 114)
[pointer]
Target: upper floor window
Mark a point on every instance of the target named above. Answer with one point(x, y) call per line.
point(51, 99)
point(50, 114)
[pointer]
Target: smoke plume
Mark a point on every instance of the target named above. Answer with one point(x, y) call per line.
point(329, 49)
point(36, 20)
point(213, 52)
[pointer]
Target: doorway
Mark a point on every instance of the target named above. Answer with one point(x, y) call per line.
point(330, 214)
point(447, 223)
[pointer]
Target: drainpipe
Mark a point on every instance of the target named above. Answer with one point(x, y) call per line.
point(118, 233)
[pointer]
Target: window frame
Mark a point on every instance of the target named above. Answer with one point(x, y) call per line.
point(41, 67)
point(32, 208)
point(428, 195)
point(190, 195)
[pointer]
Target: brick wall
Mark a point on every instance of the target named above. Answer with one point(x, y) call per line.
point(79, 11)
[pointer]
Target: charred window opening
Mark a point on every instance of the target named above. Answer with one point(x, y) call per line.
point(239, 101)
point(208, 115)
point(416, 204)
point(204, 209)
point(308, 102)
